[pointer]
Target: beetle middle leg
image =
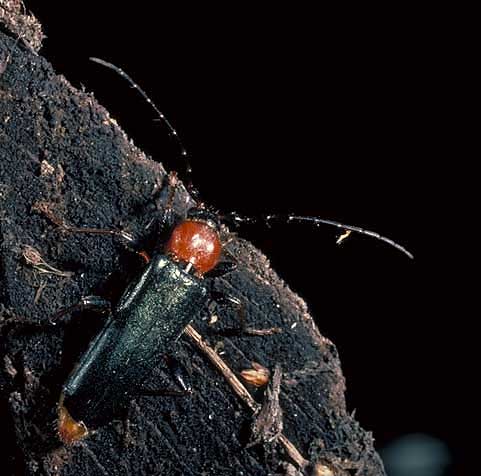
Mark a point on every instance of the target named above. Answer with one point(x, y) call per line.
point(178, 373)
point(223, 268)
point(93, 303)
point(222, 298)
point(62, 316)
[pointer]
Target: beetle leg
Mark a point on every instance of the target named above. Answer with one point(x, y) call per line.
point(244, 328)
point(162, 392)
point(161, 223)
point(94, 303)
point(179, 374)
point(164, 217)
point(134, 243)
point(62, 316)
point(222, 298)
point(158, 229)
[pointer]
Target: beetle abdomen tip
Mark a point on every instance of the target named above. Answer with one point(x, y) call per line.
point(69, 430)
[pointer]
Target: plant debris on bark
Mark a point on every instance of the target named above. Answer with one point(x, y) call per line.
point(59, 147)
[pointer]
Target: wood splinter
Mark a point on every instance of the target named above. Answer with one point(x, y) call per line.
point(269, 422)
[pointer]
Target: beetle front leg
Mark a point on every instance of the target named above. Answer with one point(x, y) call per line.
point(129, 240)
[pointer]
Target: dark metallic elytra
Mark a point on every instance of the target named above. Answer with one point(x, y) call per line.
point(149, 318)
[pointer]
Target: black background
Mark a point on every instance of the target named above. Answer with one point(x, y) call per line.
point(315, 112)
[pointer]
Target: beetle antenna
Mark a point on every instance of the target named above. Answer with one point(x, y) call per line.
point(270, 219)
point(172, 132)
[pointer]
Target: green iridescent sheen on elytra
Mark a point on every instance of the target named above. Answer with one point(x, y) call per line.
point(148, 319)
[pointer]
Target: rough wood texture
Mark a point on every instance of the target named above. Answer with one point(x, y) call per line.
point(58, 146)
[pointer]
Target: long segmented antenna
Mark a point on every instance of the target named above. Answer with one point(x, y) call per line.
point(268, 219)
point(234, 216)
point(170, 127)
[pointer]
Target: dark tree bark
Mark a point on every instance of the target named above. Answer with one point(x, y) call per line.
point(60, 149)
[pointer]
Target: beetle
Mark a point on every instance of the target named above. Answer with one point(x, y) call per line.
point(156, 307)
point(150, 315)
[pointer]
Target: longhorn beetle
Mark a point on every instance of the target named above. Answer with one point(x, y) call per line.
point(156, 307)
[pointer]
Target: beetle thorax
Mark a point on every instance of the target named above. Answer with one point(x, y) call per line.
point(197, 243)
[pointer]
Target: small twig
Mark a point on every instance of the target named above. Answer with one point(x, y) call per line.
point(229, 375)
point(241, 391)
